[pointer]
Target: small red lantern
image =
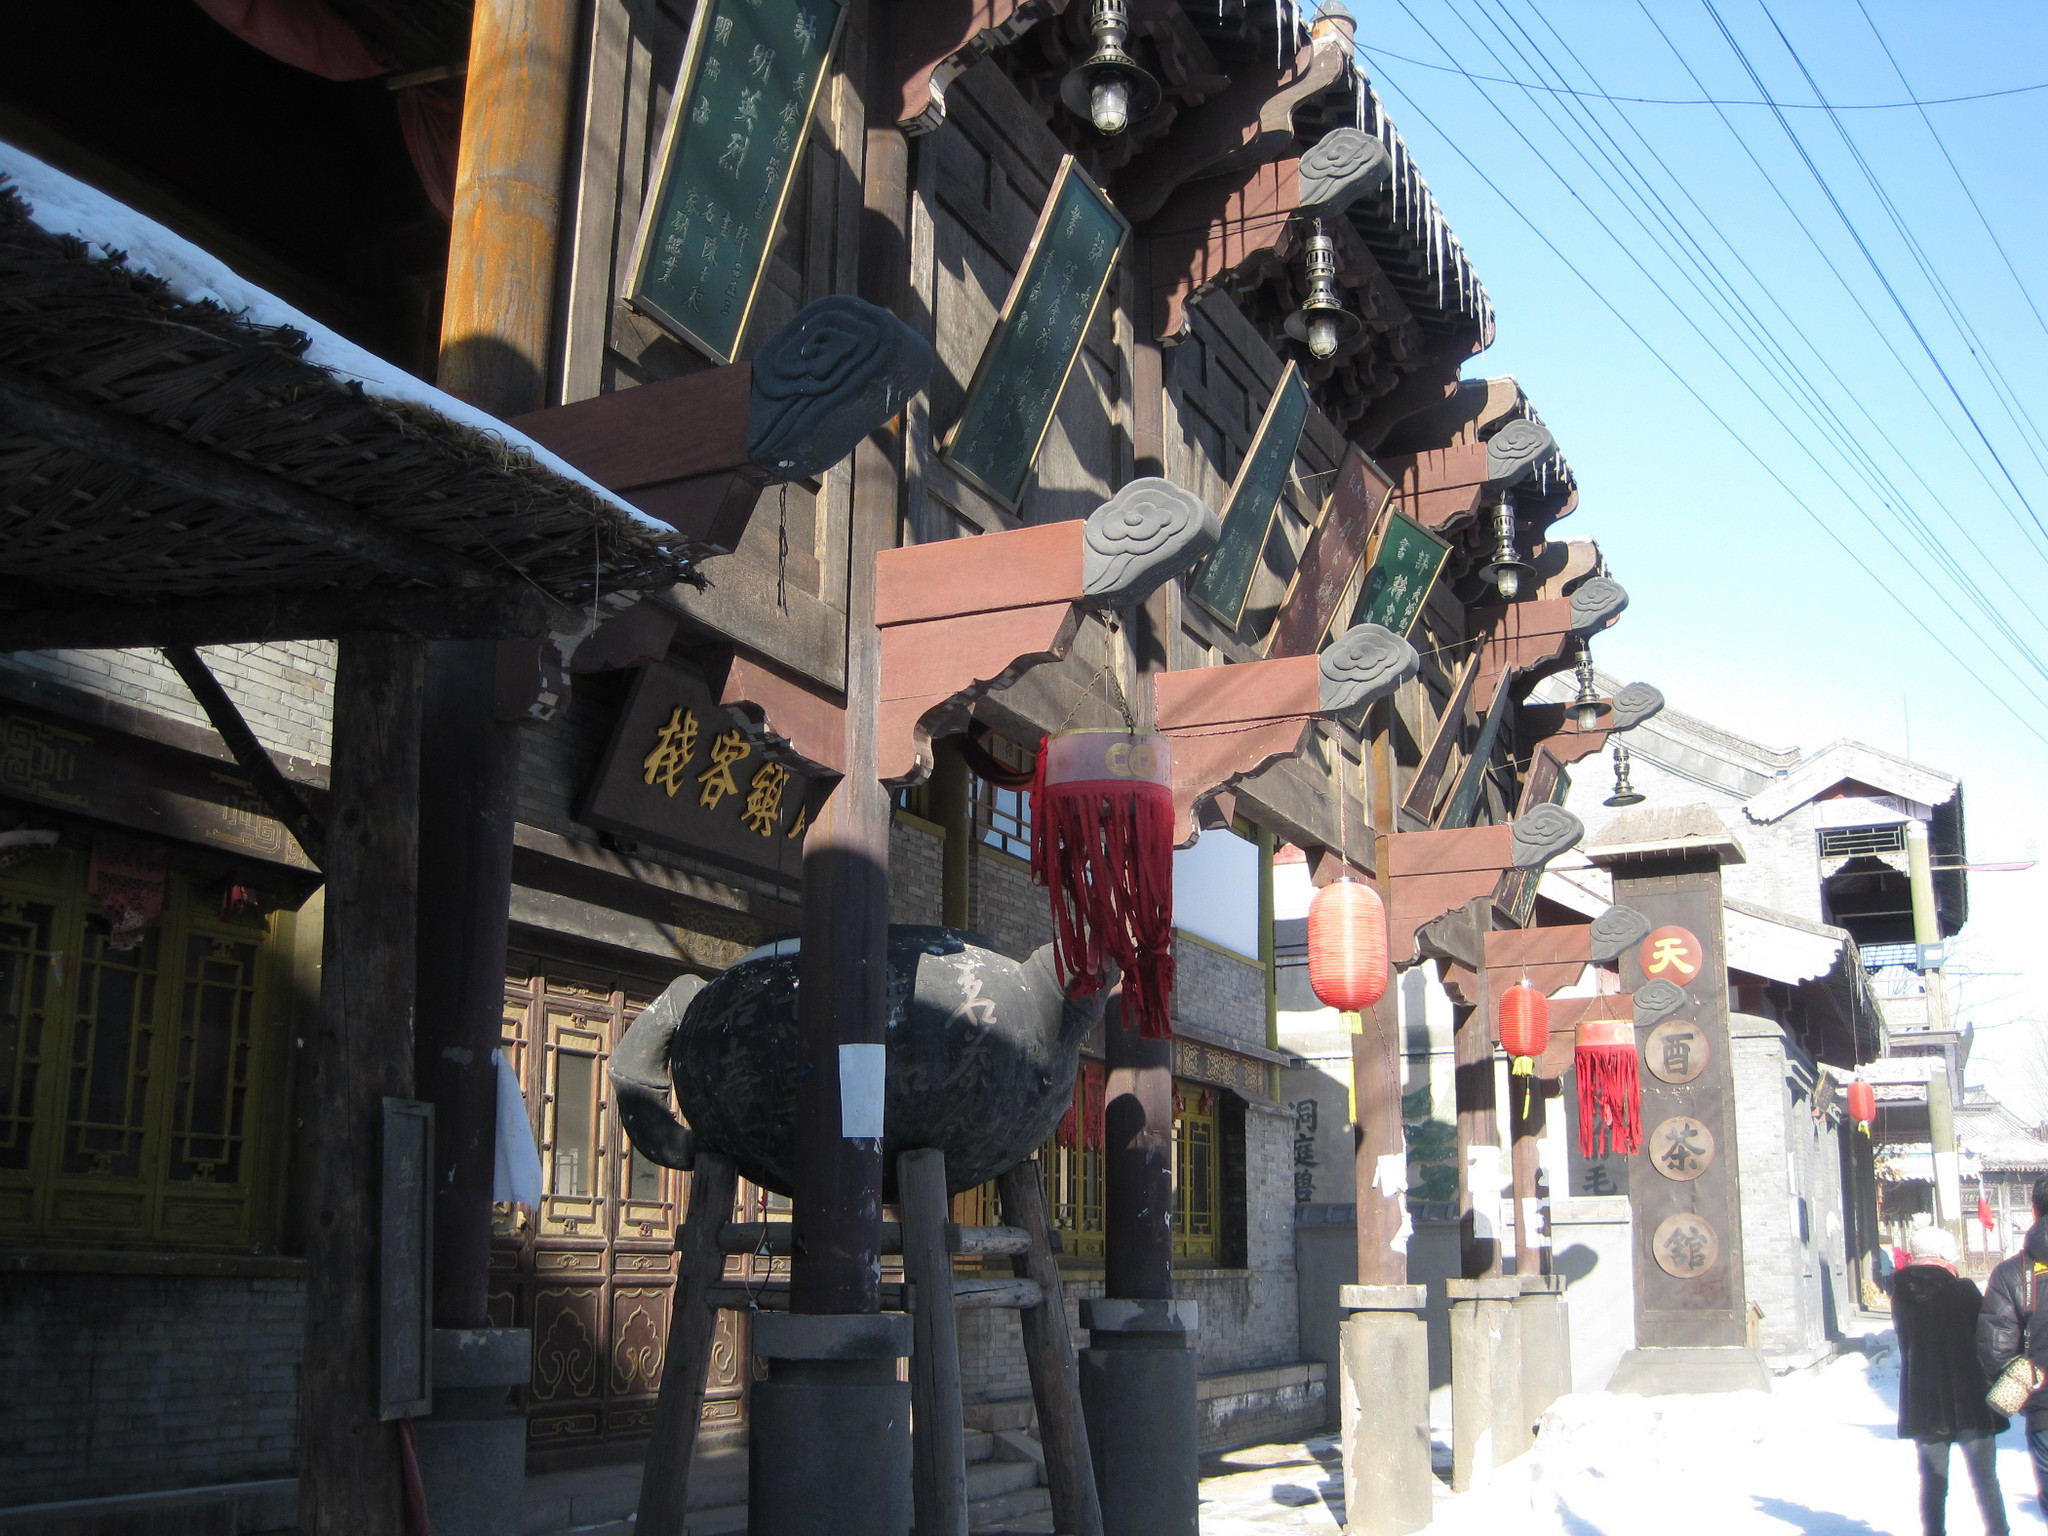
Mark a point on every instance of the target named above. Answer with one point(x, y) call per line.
point(1862, 1105)
point(1347, 945)
point(1524, 1026)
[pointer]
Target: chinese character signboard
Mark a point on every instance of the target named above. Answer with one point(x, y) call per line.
point(1224, 581)
point(679, 773)
point(749, 82)
point(1403, 570)
point(1038, 336)
point(1335, 549)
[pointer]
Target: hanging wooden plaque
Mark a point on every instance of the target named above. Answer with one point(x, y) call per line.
point(405, 1262)
point(1038, 335)
point(1335, 549)
point(729, 153)
point(1224, 582)
point(1404, 568)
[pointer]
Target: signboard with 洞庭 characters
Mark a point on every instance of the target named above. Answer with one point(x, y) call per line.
point(1224, 582)
point(680, 773)
point(1038, 335)
point(749, 82)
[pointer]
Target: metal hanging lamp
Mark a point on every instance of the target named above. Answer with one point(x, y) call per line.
point(1110, 88)
point(1625, 793)
point(1507, 569)
point(1588, 707)
point(1322, 321)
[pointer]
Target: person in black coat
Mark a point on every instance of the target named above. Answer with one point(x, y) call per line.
point(2003, 1331)
point(1942, 1382)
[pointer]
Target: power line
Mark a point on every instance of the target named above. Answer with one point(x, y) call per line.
point(1912, 102)
point(1720, 420)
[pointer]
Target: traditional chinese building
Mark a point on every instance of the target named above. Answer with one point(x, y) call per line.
point(602, 223)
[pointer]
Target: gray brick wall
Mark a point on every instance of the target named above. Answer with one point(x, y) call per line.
point(1003, 904)
point(1219, 993)
point(285, 691)
point(917, 852)
point(115, 1384)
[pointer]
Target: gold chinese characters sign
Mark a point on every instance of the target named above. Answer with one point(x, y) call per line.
point(680, 774)
point(729, 154)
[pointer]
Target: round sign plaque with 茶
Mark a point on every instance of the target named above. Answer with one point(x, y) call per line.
point(1681, 1148)
point(1685, 1246)
point(1671, 953)
point(1676, 1051)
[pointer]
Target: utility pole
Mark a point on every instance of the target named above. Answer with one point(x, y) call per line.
point(1941, 1120)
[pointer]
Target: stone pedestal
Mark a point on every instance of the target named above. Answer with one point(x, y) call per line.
point(1546, 1343)
point(1138, 1396)
point(830, 1419)
point(473, 1445)
point(1487, 1422)
point(1657, 1372)
point(1384, 1401)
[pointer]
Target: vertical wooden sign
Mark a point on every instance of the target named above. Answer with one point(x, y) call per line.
point(1682, 1185)
point(1224, 582)
point(729, 152)
point(1335, 549)
point(1404, 568)
point(1038, 336)
point(405, 1263)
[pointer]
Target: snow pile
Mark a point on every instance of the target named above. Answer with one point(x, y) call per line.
point(63, 205)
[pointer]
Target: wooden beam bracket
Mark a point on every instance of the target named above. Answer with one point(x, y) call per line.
point(264, 776)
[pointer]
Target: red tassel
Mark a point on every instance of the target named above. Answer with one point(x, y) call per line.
point(1105, 853)
point(1610, 1091)
point(1081, 1125)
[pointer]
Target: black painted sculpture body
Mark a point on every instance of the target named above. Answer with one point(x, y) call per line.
point(982, 1055)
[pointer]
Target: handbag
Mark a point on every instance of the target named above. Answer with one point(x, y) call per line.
point(2021, 1378)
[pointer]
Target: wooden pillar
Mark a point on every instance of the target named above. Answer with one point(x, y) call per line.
point(1527, 1119)
point(498, 317)
point(1479, 1170)
point(1376, 1053)
point(1137, 1160)
point(952, 806)
point(359, 1054)
point(938, 1429)
point(842, 1011)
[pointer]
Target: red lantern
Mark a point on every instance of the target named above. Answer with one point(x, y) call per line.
point(1102, 844)
point(1524, 1026)
point(1984, 1213)
point(1347, 945)
point(1862, 1105)
point(1610, 1092)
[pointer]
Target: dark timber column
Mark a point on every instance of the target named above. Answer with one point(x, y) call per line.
point(359, 1054)
point(1479, 1170)
point(830, 1438)
point(1527, 1120)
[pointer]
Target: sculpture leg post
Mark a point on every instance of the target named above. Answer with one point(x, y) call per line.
point(938, 1430)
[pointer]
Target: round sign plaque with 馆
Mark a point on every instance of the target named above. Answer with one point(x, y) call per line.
point(1685, 1246)
point(1676, 1051)
point(1681, 1148)
point(1671, 953)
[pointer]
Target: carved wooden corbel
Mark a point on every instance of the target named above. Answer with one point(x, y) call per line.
point(795, 722)
point(1440, 486)
point(1434, 873)
point(697, 451)
point(937, 41)
point(1548, 959)
point(1534, 637)
point(1554, 728)
point(1227, 723)
point(964, 617)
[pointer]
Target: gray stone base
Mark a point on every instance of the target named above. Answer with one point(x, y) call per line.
point(1388, 1483)
point(1488, 1426)
point(1660, 1372)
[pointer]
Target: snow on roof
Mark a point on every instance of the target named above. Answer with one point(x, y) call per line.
point(1842, 760)
point(64, 205)
point(1778, 945)
point(1999, 1138)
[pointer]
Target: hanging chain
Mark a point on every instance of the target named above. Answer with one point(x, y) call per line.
point(1113, 688)
point(782, 553)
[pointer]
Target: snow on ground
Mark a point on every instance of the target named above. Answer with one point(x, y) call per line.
point(64, 205)
point(1818, 1456)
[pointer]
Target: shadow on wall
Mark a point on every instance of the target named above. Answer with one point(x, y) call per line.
point(1575, 1262)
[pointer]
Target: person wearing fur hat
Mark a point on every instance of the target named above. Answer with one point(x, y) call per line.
point(2008, 1328)
point(1941, 1380)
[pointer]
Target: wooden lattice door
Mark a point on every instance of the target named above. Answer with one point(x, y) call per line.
point(590, 1271)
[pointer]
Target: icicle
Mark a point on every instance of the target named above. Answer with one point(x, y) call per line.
point(1279, 58)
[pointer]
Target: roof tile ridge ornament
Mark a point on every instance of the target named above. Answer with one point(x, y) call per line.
point(963, 618)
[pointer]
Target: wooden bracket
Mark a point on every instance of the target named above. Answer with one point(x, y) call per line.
point(797, 722)
point(1553, 728)
point(961, 618)
point(1548, 959)
point(676, 448)
point(1226, 723)
point(1537, 637)
point(1435, 873)
point(1211, 230)
point(633, 637)
point(937, 41)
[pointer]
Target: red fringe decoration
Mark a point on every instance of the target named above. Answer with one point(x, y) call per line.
point(1108, 862)
point(1610, 1098)
point(1082, 1124)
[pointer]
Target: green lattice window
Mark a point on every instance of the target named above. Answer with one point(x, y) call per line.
point(138, 1086)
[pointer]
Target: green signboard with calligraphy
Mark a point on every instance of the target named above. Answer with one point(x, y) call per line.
point(1038, 336)
point(1224, 582)
point(749, 82)
point(681, 774)
point(1402, 573)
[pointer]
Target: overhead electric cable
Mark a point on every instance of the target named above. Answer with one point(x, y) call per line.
point(1740, 441)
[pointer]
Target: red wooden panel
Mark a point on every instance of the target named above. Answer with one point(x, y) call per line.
point(1440, 486)
point(1203, 763)
point(1236, 695)
point(1458, 849)
point(1332, 554)
point(990, 572)
point(810, 719)
point(674, 429)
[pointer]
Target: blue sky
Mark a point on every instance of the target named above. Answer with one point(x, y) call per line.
point(1745, 608)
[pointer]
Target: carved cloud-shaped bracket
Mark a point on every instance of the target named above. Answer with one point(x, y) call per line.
point(826, 380)
point(1634, 704)
point(1596, 603)
point(1516, 449)
point(1343, 166)
point(1364, 665)
point(1544, 833)
point(1617, 931)
point(1656, 1001)
point(1146, 534)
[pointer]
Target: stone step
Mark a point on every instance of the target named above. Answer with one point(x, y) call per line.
point(1028, 1510)
point(981, 1445)
point(992, 1479)
point(1014, 1413)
